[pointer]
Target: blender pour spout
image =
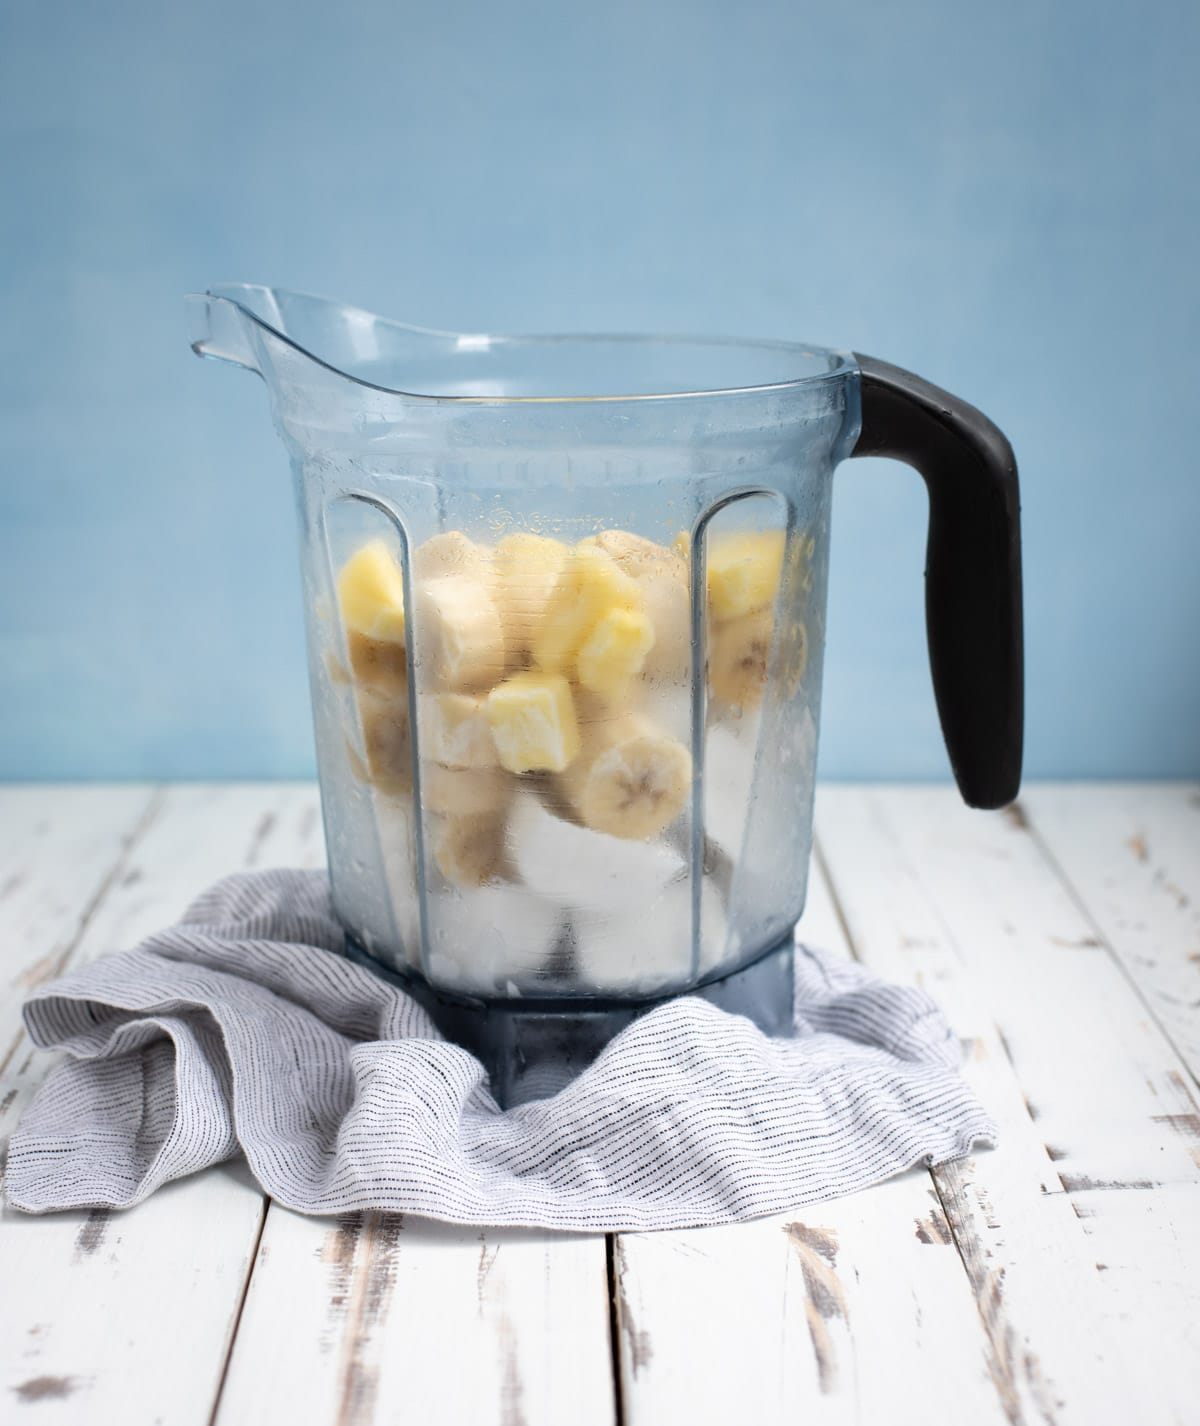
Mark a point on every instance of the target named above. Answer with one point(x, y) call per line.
point(223, 330)
point(257, 327)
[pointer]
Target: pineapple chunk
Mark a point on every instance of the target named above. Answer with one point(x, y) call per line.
point(532, 717)
point(615, 651)
point(371, 594)
point(525, 568)
point(743, 572)
point(590, 584)
point(661, 575)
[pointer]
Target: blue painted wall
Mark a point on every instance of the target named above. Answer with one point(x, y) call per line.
point(1002, 197)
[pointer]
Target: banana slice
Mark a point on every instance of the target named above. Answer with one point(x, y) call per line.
point(455, 730)
point(371, 593)
point(525, 569)
point(643, 950)
point(468, 851)
point(661, 575)
point(449, 553)
point(491, 938)
point(532, 718)
point(573, 866)
point(464, 791)
point(377, 664)
point(743, 572)
point(387, 742)
point(588, 586)
point(635, 784)
point(739, 653)
point(614, 652)
point(459, 633)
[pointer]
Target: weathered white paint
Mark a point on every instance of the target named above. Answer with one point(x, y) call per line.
point(1080, 1235)
point(856, 1310)
point(383, 1317)
point(59, 848)
point(109, 1318)
point(1131, 852)
point(1083, 1085)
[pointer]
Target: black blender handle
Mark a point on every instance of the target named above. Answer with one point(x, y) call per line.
point(972, 569)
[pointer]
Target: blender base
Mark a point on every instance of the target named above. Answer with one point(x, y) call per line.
point(532, 1048)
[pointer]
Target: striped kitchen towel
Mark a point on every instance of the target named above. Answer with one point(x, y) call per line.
point(243, 1030)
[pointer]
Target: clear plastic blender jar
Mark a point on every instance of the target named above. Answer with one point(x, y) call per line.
point(565, 605)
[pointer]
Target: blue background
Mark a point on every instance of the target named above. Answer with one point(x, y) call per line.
point(1001, 197)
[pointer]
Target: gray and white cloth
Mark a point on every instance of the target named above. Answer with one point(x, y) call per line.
point(242, 1029)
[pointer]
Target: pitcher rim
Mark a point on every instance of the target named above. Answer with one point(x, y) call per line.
point(842, 363)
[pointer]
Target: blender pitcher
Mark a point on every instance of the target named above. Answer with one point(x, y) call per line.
point(565, 602)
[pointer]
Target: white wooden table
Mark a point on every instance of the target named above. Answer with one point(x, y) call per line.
point(1054, 1280)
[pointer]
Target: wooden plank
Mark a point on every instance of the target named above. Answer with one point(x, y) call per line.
point(1059, 1226)
point(127, 1317)
point(1131, 852)
point(855, 1310)
point(60, 847)
point(389, 1317)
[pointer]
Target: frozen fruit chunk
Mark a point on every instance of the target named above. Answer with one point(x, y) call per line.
point(589, 585)
point(387, 742)
point(451, 552)
point(371, 593)
point(455, 730)
point(468, 851)
point(377, 663)
point(459, 634)
point(525, 568)
point(661, 575)
point(743, 572)
point(615, 651)
point(532, 717)
point(632, 782)
point(739, 653)
point(464, 791)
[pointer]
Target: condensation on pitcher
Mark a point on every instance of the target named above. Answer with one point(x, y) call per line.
point(551, 771)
